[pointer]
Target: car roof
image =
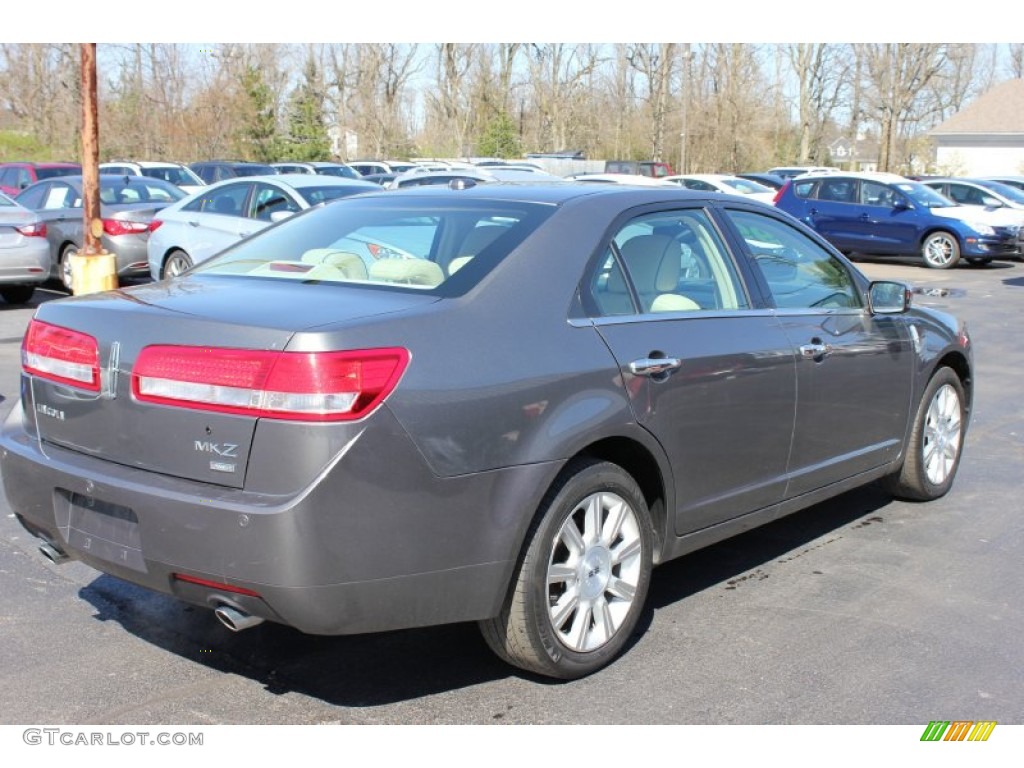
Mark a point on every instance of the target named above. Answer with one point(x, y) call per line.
point(555, 192)
point(295, 181)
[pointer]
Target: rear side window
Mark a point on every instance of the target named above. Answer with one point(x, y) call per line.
point(803, 188)
point(672, 261)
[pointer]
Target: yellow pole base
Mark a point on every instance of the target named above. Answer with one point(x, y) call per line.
point(93, 273)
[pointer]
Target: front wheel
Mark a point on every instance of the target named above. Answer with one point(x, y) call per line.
point(941, 250)
point(176, 263)
point(583, 578)
point(936, 442)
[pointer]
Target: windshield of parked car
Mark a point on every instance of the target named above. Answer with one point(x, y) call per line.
point(1010, 193)
point(337, 170)
point(314, 195)
point(5, 200)
point(923, 195)
point(431, 243)
point(173, 175)
point(745, 186)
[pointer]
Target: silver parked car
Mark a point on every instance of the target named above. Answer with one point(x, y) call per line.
point(127, 205)
point(510, 416)
point(24, 252)
point(221, 214)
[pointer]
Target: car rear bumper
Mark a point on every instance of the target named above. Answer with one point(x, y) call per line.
point(25, 264)
point(344, 556)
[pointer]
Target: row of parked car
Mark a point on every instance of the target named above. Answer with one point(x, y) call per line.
point(160, 219)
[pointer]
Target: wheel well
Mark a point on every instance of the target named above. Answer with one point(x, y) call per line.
point(959, 365)
point(643, 467)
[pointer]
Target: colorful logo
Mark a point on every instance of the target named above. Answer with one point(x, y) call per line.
point(958, 730)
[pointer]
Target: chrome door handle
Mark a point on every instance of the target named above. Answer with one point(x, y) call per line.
point(654, 366)
point(815, 351)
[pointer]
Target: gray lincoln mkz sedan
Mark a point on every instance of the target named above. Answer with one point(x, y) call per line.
point(502, 404)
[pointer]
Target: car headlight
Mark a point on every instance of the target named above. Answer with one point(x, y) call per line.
point(982, 229)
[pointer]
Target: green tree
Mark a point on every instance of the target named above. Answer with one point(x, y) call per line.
point(307, 137)
point(500, 138)
point(260, 137)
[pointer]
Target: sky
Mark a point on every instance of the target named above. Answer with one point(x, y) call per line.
point(754, 21)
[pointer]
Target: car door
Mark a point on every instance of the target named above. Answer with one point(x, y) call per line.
point(836, 214)
point(59, 205)
point(709, 374)
point(855, 369)
point(217, 219)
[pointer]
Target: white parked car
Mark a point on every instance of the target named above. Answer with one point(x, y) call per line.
point(177, 174)
point(194, 229)
point(621, 178)
point(720, 182)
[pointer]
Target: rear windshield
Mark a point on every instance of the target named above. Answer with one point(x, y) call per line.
point(129, 190)
point(442, 245)
point(254, 170)
point(50, 173)
point(337, 170)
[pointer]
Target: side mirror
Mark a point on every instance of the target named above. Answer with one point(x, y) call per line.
point(991, 202)
point(888, 297)
point(900, 203)
point(280, 215)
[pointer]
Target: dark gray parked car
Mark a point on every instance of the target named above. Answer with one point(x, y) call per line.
point(507, 410)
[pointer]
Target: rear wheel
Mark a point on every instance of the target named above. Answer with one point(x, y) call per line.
point(583, 578)
point(17, 294)
point(65, 265)
point(933, 454)
point(941, 250)
point(177, 262)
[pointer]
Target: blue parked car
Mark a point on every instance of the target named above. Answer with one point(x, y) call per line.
point(883, 214)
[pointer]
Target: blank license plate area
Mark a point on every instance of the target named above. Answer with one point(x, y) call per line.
point(99, 528)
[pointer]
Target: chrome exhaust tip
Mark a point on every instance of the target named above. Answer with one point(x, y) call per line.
point(234, 619)
point(54, 554)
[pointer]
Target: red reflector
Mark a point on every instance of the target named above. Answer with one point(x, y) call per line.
point(61, 355)
point(32, 230)
point(215, 585)
point(279, 267)
point(114, 227)
point(309, 386)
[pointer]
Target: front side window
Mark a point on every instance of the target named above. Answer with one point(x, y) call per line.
point(873, 193)
point(671, 261)
point(268, 200)
point(800, 273)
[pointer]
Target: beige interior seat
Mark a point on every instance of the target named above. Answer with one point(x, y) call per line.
point(654, 264)
point(407, 272)
point(349, 264)
point(477, 239)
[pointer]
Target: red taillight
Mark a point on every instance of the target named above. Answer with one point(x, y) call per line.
point(308, 386)
point(781, 192)
point(61, 355)
point(215, 585)
point(32, 230)
point(155, 224)
point(114, 227)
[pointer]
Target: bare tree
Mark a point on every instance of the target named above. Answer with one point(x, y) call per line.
point(822, 72)
point(656, 63)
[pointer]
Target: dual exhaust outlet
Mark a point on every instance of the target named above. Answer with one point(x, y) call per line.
point(234, 619)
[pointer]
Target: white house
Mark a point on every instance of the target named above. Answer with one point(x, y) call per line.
point(986, 137)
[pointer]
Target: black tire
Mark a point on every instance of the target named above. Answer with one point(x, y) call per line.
point(569, 613)
point(936, 442)
point(17, 294)
point(941, 250)
point(176, 263)
point(64, 266)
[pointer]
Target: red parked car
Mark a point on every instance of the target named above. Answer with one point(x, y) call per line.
point(14, 177)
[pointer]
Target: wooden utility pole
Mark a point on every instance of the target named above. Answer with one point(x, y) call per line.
point(92, 269)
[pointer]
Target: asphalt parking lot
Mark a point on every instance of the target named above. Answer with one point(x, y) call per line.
point(862, 610)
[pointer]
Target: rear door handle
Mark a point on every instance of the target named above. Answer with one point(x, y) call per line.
point(654, 366)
